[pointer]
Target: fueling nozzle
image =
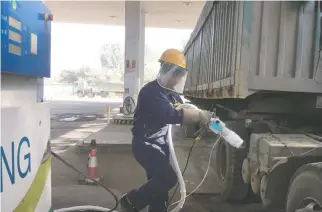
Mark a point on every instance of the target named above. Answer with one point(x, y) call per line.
point(219, 127)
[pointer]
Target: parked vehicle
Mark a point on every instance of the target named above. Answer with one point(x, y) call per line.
point(258, 65)
point(82, 88)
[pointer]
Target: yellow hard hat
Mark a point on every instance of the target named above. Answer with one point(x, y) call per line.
point(175, 57)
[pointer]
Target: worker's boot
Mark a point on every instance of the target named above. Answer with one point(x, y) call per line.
point(126, 205)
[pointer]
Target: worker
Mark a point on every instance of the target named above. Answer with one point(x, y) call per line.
point(154, 112)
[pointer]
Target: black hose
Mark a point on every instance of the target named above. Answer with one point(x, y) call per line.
point(86, 176)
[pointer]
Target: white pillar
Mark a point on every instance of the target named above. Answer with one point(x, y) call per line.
point(134, 50)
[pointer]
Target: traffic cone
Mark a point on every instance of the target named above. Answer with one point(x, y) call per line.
point(92, 165)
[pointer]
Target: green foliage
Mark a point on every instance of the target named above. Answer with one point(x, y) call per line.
point(112, 56)
point(112, 59)
point(299, 4)
point(68, 76)
point(183, 44)
point(71, 76)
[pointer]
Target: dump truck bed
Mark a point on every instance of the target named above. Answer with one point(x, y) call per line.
point(239, 48)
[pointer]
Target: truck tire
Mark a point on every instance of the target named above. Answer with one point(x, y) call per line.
point(305, 191)
point(104, 94)
point(80, 94)
point(90, 95)
point(188, 130)
point(228, 167)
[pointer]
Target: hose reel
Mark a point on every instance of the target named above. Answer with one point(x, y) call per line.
point(129, 106)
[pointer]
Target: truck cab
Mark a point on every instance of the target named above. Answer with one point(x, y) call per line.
point(82, 88)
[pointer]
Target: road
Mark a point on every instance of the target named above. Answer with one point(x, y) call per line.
point(75, 105)
point(88, 107)
point(74, 120)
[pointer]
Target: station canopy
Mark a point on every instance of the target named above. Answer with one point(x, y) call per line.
point(159, 14)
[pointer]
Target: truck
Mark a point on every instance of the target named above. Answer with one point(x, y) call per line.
point(258, 66)
point(83, 88)
point(25, 157)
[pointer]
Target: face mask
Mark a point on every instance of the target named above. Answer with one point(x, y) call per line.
point(172, 77)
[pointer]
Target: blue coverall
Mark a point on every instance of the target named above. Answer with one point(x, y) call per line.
point(154, 113)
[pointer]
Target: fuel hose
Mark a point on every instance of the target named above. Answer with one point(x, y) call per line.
point(86, 207)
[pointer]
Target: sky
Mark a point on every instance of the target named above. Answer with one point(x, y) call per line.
point(74, 45)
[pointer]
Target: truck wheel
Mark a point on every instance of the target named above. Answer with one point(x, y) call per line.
point(90, 95)
point(189, 130)
point(228, 167)
point(80, 94)
point(103, 94)
point(305, 192)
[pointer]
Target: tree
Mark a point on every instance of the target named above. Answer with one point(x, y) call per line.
point(68, 76)
point(183, 44)
point(71, 76)
point(112, 56)
point(150, 55)
point(152, 65)
point(84, 72)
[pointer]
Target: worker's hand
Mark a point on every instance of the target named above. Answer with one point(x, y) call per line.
point(191, 116)
point(176, 104)
point(205, 117)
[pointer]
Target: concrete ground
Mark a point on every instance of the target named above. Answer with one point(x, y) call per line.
point(121, 173)
point(71, 133)
point(83, 106)
point(73, 121)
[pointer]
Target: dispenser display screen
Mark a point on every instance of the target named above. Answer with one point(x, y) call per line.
point(14, 36)
point(13, 49)
point(14, 23)
point(34, 44)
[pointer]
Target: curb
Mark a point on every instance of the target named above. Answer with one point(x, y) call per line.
point(106, 148)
